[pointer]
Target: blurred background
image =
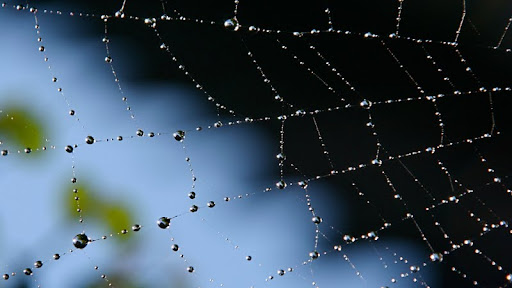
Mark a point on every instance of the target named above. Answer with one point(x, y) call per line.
point(74, 94)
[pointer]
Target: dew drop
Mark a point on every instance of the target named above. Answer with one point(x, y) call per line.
point(192, 195)
point(136, 227)
point(108, 59)
point(281, 157)
point(163, 222)
point(508, 277)
point(6, 276)
point(414, 268)
point(179, 135)
point(41, 48)
point(316, 220)
point(193, 208)
point(56, 256)
point(175, 247)
point(303, 184)
point(190, 269)
point(314, 255)
point(281, 184)
point(366, 104)
point(211, 204)
point(436, 257)
point(232, 23)
point(71, 112)
point(4, 152)
point(28, 150)
point(140, 133)
point(280, 272)
point(89, 139)
point(248, 258)
point(38, 264)
point(69, 149)
point(119, 138)
point(27, 271)
point(80, 241)
point(151, 134)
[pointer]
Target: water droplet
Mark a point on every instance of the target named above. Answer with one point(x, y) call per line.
point(280, 272)
point(414, 268)
point(105, 40)
point(119, 138)
point(54, 79)
point(509, 277)
point(316, 220)
point(248, 258)
point(27, 271)
point(217, 124)
point(69, 149)
point(151, 134)
point(281, 184)
point(232, 23)
point(5, 152)
point(71, 112)
point(193, 208)
point(436, 257)
point(300, 112)
point(372, 235)
point(140, 133)
point(179, 135)
point(28, 150)
point(377, 162)
point(348, 238)
point(281, 157)
point(136, 227)
point(314, 255)
point(38, 264)
point(303, 184)
point(89, 139)
point(163, 222)
point(192, 195)
point(175, 247)
point(211, 204)
point(80, 241)
point(6, 276)
point(56, 256)
point(41, 48)
point(108, 59)
point(190, 269)
point(366, 104)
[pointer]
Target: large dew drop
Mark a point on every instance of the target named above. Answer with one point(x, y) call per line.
point(179, 135)
point(163, 222)
point(232, 24)
point(89, 139)
point(436, 257)
point(80, 241)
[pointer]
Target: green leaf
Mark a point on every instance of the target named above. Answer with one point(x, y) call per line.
point(117, 218)
point(113, 215)
point(20, 128)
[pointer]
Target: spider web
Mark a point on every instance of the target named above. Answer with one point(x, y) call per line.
point(256, 144)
